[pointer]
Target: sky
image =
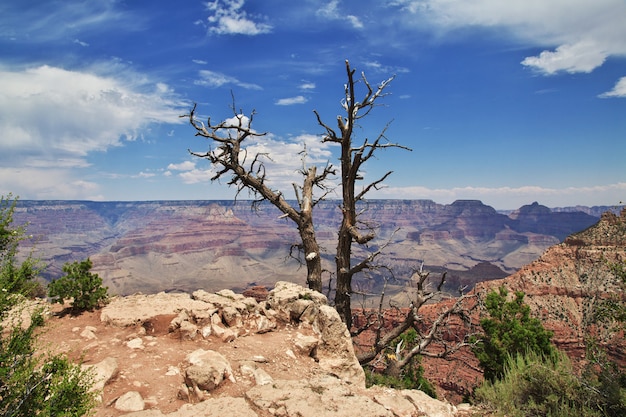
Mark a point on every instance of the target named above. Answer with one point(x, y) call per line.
point(507, 102)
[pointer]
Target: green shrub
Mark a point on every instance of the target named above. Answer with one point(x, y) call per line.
point(15, 278)
point(35, 385)
point(509, 330)
point(533, 385)
point(411, 376)
point(81, 286)
point(31, 384)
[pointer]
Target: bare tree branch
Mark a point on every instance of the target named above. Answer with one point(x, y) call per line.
point(230, 157)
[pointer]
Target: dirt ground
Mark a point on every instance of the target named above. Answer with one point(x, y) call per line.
point(155, 368)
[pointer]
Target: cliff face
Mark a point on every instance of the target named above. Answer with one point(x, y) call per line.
point(562, 287)
point(566, 284)
point(186, 245)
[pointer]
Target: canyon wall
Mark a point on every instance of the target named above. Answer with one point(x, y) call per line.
point(186, 245)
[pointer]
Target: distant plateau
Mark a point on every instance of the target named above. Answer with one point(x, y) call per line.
point(182, 246)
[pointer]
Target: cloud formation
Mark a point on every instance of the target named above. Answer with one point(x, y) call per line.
point(618, 91)
point(283, 158)
point(214, 79)
point(291, 101)
point(228, 18)
point(512, 197)
point(583, 33)
point(331, 11)
point(53, 118)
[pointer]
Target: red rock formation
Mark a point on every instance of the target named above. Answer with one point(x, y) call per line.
point(561, 288)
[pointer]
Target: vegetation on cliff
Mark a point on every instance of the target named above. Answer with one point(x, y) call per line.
point(592, 266)
point(30, 384)
point(509, 331)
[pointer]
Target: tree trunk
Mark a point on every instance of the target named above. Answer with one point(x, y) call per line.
point(311, 256)
point(307, 232)
point(344, 243)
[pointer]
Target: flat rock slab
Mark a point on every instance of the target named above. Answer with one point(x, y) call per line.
point(321, 397)
point(139, 308)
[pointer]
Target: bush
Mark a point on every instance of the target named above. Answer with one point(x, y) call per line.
point(411, 376)
point(81, 286)
point(34, 385)
point(31, 384)
point(15, 278)
point(533, 385)
point(508, 331)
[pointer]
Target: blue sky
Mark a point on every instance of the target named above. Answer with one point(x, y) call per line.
point(508, 102)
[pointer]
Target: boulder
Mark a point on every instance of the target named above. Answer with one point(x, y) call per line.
point(336, 352)
point(250, 368)
point(291, 300)
point(306, 345)
point(427, 405)
point(407, 403)
point(213, 407)
point(103, 372)
point(131, 401)
point(207, 370)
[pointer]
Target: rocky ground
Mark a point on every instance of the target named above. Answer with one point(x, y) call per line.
point(215, 354)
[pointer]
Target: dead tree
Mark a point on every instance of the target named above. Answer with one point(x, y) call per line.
point(228, 153)
point(352, 159)
point(431, 340)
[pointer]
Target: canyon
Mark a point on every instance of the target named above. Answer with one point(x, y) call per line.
point(562, 284)
point(564, 288)
point(182, 246)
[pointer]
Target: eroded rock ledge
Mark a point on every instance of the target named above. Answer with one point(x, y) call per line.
point(222, 376)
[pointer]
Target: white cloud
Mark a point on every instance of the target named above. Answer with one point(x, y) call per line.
point(307, 86)
point(62, 21)
point(513, 197)
point(354, 21)
point(55, 113)
point(331, 11)
point(291, 100)
point(183, 166)
point(196, 176)
point(580, 57)
point(51, 119)
point(190, 173)
point(47, 184)
point(385, 69)
point(584, 33)
point(229, 18)
point(214, 79)
point(618, 91)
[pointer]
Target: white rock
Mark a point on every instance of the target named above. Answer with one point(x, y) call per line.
point(208, 369)
point(103, 372)
point(135, 343)
point(88, 334)
point(131, 401)
point(172, 370)
point(260, 376)
point(306, 345)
